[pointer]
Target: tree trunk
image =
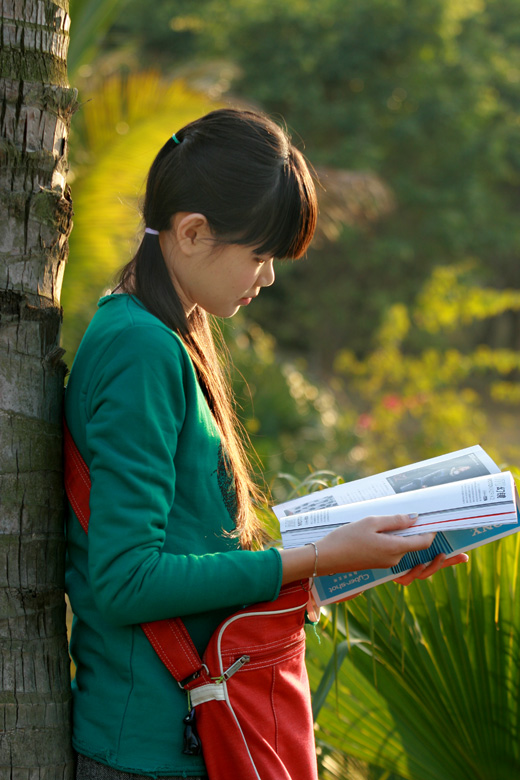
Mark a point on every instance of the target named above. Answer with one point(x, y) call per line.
point(35, 221)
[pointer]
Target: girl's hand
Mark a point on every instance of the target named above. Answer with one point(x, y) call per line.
point(364, 544)
point(425, 570)
point(367, 545)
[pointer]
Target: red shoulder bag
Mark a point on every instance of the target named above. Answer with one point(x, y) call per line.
point(250, 690)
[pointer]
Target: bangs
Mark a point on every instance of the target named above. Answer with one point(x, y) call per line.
point(283, 223)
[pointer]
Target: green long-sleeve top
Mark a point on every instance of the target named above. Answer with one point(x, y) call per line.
point(161, 503)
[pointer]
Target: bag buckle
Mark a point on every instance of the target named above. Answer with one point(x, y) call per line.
point(187, 680)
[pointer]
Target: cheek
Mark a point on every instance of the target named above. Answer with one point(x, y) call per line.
point(242, 281)
point(252, 276)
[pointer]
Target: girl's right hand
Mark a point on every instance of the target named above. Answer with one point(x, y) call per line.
point(365, 544)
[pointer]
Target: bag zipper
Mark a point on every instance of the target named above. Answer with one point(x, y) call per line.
point(239, 663)
point(233, 669)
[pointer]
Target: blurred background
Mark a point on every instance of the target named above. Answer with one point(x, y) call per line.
point(396, 339)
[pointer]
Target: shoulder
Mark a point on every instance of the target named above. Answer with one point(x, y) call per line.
point(123, 329)
point(128, 351)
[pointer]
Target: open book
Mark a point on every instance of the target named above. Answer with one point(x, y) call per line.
point(462, 495)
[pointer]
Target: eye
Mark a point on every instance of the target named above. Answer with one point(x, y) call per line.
point(261, 259)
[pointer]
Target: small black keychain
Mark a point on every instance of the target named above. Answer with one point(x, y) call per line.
point(192, 745)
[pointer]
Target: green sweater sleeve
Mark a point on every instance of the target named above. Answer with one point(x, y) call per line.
point(137, 408)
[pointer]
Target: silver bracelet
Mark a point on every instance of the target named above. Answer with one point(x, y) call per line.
point(315, 572)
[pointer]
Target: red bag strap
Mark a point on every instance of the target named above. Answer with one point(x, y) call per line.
point(77, 479)
point(169, 638)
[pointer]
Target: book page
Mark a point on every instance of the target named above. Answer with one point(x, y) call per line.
point(414, 477)
point(454, 466)
point(483, 501)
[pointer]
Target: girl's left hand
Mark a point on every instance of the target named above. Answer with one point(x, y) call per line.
point(425, 570)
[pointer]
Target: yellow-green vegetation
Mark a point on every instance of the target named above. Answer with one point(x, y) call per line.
point(448, 301)
point(417, 403)
point(121, 127)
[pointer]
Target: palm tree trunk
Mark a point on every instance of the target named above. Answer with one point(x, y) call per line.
point(35, 221)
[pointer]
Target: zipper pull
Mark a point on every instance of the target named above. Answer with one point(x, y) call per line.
point(233, 668)
point(236, 666)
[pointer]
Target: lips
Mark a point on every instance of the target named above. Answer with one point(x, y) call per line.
point(246, 301)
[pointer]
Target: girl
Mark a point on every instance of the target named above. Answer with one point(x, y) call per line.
point(172, 531)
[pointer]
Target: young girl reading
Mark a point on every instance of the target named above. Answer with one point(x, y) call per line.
point(172, 531)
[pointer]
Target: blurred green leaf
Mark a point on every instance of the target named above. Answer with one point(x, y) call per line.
point(90, 19)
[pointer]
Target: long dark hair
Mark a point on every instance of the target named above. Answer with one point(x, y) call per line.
point(239, 169)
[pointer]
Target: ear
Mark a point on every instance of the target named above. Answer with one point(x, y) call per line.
point(192, 232)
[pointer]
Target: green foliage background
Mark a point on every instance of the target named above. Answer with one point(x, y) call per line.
point(396, 339)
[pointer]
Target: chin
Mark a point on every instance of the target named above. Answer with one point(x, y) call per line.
point(224, 314)
point(231, 313)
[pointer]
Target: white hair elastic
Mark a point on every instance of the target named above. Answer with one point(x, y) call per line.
point(151, 231)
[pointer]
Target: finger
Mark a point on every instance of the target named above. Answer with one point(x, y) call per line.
point(401, 545)
point(433, 567)
point(455, 559)
point(441, 562)
point(406, 579)
point(424, 570)
point(385, 523)
point(416, 542)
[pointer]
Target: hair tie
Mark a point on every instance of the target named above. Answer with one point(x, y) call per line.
point(174, 138)
point(151, 231)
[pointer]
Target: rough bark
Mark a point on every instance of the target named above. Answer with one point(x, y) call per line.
point(35, 221)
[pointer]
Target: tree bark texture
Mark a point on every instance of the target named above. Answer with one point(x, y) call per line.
point(36, 105)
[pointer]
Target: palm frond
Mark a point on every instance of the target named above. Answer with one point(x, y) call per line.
point(444, 702)
point(122, 127)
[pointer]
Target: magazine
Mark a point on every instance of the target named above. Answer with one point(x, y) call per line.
point(462, 495)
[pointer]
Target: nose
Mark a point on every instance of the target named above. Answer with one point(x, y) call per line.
point(267, 275)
